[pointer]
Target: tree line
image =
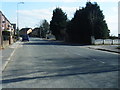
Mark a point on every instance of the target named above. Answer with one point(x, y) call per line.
point(88, 23)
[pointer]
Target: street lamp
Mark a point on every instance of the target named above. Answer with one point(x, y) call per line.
point(92, 22)
point(18, 17)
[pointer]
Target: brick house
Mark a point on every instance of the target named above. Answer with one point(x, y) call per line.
point(25, 31)
point(5, 25)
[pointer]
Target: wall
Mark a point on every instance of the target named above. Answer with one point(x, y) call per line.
point(107, 41)
point(5, 43)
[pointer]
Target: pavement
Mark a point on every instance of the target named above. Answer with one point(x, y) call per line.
point(7, 53)
point(108, 48)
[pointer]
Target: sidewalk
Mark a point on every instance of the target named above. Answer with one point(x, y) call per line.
point(109, 48)
point(7, 53)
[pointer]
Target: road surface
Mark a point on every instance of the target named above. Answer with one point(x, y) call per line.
point(51, 64)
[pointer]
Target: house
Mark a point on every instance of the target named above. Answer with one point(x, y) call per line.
point(14, 27)
point(25, 31)
point(5, 26)
point(35, 32)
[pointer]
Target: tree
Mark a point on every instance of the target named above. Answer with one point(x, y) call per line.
point(87, 22)
point(78, 29)
point(44, 28)
point(58, 23)
point(99, 28)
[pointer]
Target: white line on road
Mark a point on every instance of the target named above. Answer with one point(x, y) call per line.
point(102, 62)
point(98, 60)
point(78, 54)
point(94, 59)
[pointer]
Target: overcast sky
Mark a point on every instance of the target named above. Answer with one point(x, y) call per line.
point(32, 12)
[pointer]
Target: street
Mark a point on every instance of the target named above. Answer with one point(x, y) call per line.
point(51, 64)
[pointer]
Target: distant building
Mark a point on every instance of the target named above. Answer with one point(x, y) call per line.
point(14, 27)
point(119, 36)
point(35, 32)
point(25, 31)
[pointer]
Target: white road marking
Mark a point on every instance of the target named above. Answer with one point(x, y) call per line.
point(94, 59)
point(98, 60)
point(102, 62)
point(78, 54)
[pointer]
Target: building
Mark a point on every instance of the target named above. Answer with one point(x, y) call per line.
point(35, 32)
point(5, 25)
point(14, 27)
point(25, 31)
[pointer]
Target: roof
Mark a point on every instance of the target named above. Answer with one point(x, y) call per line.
point(4, 16)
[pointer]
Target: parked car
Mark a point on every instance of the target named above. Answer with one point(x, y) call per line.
point(25, 38)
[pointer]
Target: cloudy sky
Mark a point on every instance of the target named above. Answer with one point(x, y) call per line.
point(32, 12)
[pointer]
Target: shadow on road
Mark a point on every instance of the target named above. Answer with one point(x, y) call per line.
point(50, 42)
point(50, 76)
point(80, 66)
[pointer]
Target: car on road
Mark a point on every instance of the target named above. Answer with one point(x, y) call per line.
point(25, 38)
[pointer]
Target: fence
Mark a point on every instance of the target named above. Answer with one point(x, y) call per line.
point(107, 41)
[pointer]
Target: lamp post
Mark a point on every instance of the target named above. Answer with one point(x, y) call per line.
point(18, 17)
point(92, 22)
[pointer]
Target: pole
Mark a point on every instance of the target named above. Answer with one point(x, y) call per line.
point(17, 22)
point(18, 17)
point(92, 18)
point(1, 40)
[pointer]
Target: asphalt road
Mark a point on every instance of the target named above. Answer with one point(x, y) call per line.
point(51, 64)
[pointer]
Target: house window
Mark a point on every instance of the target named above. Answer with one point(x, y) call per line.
point(3, 21)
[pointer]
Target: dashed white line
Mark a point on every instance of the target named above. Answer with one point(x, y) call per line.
point(78, 54)
point(102, 62)
point(94, 59)
point(98, 60)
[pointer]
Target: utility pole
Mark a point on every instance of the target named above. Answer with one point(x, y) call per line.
point(1, 40)
point(18, 17)
point(92, 21)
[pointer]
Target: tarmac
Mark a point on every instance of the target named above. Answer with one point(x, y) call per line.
point(7, 53)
